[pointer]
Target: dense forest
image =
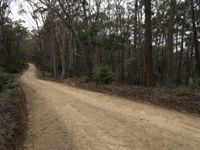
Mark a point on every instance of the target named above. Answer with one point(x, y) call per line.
point(13, 46)
point(142, 42)
point(126, 74)
point(13, 39)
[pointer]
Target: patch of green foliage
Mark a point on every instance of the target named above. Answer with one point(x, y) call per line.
point(131, 60)
point(14, 69)
point(79, 71)
point(194, 83)
point(4, 78)
point(2, 69)
point(7, 80)
point(1, 85)
point(11, 84)
point(103, 74)
point(12, 123)
point(183, 91)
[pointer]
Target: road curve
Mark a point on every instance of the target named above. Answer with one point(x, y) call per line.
point(67, 118)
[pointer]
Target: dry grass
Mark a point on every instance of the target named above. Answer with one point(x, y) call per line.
point(12, 119)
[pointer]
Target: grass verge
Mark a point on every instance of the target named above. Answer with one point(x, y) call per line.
point(13, 114)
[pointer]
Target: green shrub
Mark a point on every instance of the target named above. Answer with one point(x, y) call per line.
point(4, 77)
point(1, 85)
point(183, 91)
point(103, 74)
point(6, 80)
point(2, 69)
point(11, 84)
point(131, 60)
point(194, 83)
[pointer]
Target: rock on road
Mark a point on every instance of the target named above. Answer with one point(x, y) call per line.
point(61, 117)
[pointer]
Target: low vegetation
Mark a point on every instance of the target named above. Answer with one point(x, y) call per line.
point(7, 80)
point(103, 75)
point(194, 83)
point(182, 98)
point(12, 112)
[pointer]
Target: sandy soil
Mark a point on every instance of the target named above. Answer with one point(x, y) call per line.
point(67, 118)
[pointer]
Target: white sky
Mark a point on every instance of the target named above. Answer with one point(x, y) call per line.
point(15, 7)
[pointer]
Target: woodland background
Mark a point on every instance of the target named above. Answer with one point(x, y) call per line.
point(140, 42)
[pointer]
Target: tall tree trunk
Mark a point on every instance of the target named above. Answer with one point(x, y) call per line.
point(148, 45)
point(176, 61)
point(53, 48)
point(162, 59)
point(122, 63)
point(181, 56)
point(63, 53)
point(87, 51)
point(169, 49)
point(54, 65)
point(196, 44)
point(70, 53)
point(135, 26)
point(60, 35)
point(41, 53)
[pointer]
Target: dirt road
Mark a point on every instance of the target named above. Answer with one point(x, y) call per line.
point(66, 118)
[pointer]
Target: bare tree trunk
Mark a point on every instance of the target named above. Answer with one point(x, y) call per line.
point(53, 49)
point(176, 61)
point(87, 49)
point(169, 50)
point(181, 56)
point(122, 62)
point(196, 44)
point(63, 53)
point(61, 40)
point(54, 64)
point(148, 45)
point(135, 26)
point(70, 49)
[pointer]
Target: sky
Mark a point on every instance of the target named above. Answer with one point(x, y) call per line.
point(15, 7)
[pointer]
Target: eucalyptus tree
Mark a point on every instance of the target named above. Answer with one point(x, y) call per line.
point(195, 38)
point(148, 45)
point(170, 45)
point(12, 35)
point(142, 41)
